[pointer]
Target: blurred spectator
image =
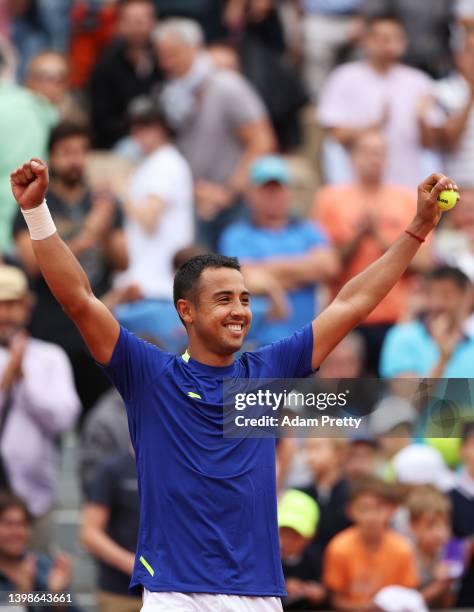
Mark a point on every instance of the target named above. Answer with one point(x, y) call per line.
point(28, 34)
point(363, 219)
point(126, 69)
point(21, 112)
point(104, 433)
point(8, 59)
point(93, 25)
point(220, 121)
point(295, 254)
point(383, 94)
point(428, 29)
point(47, 75)
point(326, 458)
point(361, 458)
point(346, 360)
point(298, 516)
point(454, 241)
point(24, 570)
point(38, 403)
point(159, 203)
point(436, 345)
point(430, 525)
point(109, 529)
point(369, 556)
point(462, 498)
point(420, 464)
point(91, 224)
point(455, 95)
point(328, 28)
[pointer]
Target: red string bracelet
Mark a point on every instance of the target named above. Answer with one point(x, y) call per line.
point(414, 236)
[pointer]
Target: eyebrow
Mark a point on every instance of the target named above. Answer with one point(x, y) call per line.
point(217, 294)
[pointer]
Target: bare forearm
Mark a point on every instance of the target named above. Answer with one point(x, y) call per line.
point(455, 126)
point(368, 288)
point(62, 272)
point(101, 546)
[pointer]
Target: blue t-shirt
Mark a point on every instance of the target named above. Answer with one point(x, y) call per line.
point(208, 511)
point(251, 243)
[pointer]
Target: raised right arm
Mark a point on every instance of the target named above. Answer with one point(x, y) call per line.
point(61, 270)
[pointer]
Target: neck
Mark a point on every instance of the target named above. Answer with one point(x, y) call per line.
point(381, 66)
point(67, 193)
point(427, 555)
point(370, 183)
point(272, 223)
point(371, 540)
point(8, 563)
point(327, 479)
point(207, 356)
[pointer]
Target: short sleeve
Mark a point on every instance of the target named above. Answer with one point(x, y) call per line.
point(335, 576)
point(134, 364)
point(290, 357)
point(102, 490)
point(244, 105)
point(397, 355)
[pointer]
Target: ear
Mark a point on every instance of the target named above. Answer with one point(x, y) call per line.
point(185, 310)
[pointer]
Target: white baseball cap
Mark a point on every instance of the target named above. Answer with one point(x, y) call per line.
point(400, 599)
point(420, 464)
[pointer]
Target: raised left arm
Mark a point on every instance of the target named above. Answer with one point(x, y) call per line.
point(365, 291)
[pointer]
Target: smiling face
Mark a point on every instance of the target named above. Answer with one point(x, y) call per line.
point(217, 315)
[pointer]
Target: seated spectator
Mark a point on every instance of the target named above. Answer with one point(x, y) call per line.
point(384, 94)
point(109, 528)
point(365, 558)
point(47, 75)
point(326, 458)
point(327, 30)
point(158, 205)
point(104, 433)
point(221, 124)
point(298, 516)
point(455, 95)
point(430, 525)
point(462, 498)
point(21, 112)
point(362, 219)
point(295, 254)
point(361, 457)
point(38, 402)
point(430, 52)
point(437, 344)
point(126, 69)
point(22, 568)
point(454, 241)
point(91, 224)
point(346, 360)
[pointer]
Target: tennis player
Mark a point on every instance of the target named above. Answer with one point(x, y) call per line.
point(208, 537)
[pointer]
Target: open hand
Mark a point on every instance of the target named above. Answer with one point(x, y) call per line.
point(60, 574)
point(29, 183)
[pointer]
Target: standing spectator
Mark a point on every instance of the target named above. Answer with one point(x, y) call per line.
point(295, 254)
point(21, 112)
point(365, 558)
point(221, 124)
point(428, 28)
point(328, 27)
point(22, 568)
point(437, 345)
point(47, 75)
point(159, 203)
point(430, 524)
point(383, 93)
point(91, 223)
point(455, 94)
point(462, 498)
point(38, 402)
point(105, 432)
point(127, 69)
point(109, 529)
point(362, 219)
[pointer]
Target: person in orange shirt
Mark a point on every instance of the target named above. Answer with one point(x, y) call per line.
point(365, 558)
point(362, 219)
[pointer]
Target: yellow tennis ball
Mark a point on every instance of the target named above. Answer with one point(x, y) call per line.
point(448, 199)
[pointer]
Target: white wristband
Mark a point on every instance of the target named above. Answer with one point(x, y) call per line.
point(39, 221)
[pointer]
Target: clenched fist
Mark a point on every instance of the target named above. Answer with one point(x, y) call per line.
point(29, 183)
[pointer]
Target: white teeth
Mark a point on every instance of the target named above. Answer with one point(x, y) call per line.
point(235, 327)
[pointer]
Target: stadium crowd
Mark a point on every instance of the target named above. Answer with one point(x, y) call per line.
point(291, 134)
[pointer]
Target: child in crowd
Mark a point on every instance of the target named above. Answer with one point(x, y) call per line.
point(361, 459)
point(430, 522)
point(298, 516)
point(369, 556)
point(462, 498)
